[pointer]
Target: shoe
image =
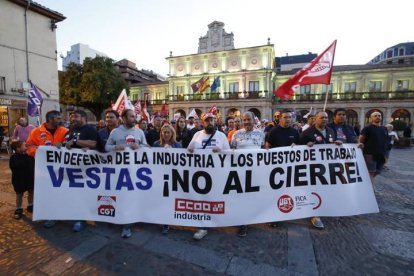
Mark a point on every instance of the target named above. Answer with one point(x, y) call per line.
point(18, 213)
point(29, 209)
point(78, 226)
point(200, 234)
point(242, 231)
point(49, 223)
point(317, 223)
point(274, 224)
point(126, 232)
point(165, 230)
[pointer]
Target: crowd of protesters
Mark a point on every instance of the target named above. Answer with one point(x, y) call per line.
point(120, 131)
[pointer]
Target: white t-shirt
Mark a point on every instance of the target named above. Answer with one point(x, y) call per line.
point(394, 137)
point(305, 127)
point(243, 139)
point(200, 138)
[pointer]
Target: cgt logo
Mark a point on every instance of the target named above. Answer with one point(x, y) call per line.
point(285, 204)
point(106, 207)
point(196, 206)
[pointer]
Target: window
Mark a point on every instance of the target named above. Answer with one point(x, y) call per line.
point(401, 52)
point(389, 54)
point(2, 85)
point(402, 85)
point(350, 86)
point(374, 86)
point(327, 88)
point(180, 90)
point(234, 87)
point(305, 89)
point(253, 86)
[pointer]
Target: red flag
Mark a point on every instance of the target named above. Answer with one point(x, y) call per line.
point(205, 85)
point(144, 113)
point(137, 107)
point(198, 84)
point(318, 71)
point(213, 110)
point(164, 111)
point(122, 103)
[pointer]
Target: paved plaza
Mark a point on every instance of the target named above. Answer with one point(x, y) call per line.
point(373, 244)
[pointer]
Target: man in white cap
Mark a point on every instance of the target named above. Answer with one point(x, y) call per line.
point(211, 139)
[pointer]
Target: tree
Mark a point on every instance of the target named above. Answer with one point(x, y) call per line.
point(92, 85)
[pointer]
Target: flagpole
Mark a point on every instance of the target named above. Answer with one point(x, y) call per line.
point(326, 99)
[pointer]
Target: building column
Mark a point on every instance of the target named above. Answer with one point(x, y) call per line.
point(388, 113)
point(362, 117)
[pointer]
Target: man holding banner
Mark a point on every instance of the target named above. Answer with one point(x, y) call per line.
point(247, 137)
point(319, 134)
point(50, 133)
point(282, 135)
point(209, 138)
point(126, 135)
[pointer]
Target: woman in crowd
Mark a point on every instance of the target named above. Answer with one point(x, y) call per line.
point(182, 132)
point(167, 140)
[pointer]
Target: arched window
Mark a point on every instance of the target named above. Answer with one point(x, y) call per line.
point(256, 112)
point(182, 113)
point(351, 117)
point(330, 115)
point(199, 112)
point(233, 112)
point(402, 115)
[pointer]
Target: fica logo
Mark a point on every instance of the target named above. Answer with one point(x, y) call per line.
point(106, 205)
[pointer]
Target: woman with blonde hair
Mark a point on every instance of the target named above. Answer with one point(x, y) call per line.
point(167, 140)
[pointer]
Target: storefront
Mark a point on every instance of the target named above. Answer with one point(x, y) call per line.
point(10, 112)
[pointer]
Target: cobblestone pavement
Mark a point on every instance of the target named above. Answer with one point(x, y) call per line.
point(374, 244)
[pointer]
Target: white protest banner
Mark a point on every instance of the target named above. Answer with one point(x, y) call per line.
point(175, 187)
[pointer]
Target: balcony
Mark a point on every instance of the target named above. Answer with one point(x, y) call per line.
point(351, 96)
point(220, 96)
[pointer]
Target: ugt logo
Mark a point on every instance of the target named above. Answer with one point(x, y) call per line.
point(285, 204)
point(106, 207)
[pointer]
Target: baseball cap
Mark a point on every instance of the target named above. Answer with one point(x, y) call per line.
point(208, 115)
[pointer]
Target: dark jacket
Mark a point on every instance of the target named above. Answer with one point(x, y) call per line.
point(312, 134)
point(22, 167)
point(349, 132)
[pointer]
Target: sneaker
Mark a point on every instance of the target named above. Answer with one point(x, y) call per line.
point(200, 234)
point(242, 231)
point(29, 209)
point(18, 213)
point(78, 226)
point(49, 223)
point(165, 229)
point(126, 232)
point(317, 223)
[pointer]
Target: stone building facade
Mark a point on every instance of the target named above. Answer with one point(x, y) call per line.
point(27, 53)
point(248, 77)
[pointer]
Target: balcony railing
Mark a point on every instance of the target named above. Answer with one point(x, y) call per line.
point(220, 96)
point(352, 96)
